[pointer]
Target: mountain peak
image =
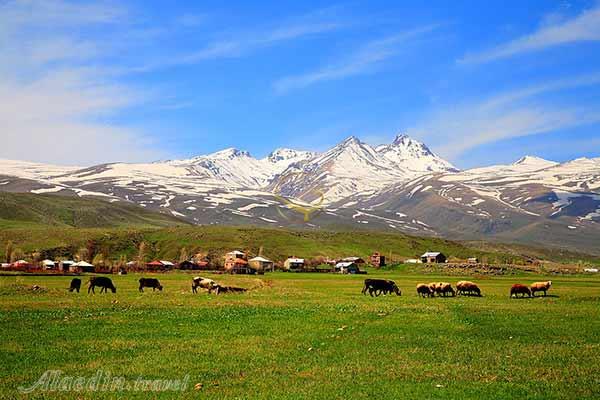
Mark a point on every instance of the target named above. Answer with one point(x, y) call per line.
point(533, 161)
point(229, 153)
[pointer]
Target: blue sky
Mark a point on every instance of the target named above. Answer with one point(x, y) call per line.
point(479, 82)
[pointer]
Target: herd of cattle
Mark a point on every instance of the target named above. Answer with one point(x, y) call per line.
point(375, 287)
point(106, 284)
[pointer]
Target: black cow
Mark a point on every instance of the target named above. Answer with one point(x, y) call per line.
point(150, 282)
point(75, 285)
point(379, 286)
point(228, 289)
point(102, 282)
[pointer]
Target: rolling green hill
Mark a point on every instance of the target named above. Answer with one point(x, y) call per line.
point(31, 210)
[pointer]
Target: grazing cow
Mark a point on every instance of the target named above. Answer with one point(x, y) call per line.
point(519, 289)
point(75, 285)
point(103, 282)
point(150, 283)
point(468, 288)
point(540, 287)
point(205, 283)
point(228, 289)
point(424, 290)
point(442, 288)
point(379, 286)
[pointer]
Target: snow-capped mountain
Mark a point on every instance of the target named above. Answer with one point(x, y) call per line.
point(355, 167)
point(413, 155)
point(401, 186)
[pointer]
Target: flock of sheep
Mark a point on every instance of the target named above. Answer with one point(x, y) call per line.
point(443, 289)
point(375, 287)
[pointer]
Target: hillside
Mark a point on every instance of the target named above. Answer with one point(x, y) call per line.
point(31, 210)
point(277, 244)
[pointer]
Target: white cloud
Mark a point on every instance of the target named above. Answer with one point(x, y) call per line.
point(517, 113)
point(54, 103)
point(362, 61)
point(556, 31)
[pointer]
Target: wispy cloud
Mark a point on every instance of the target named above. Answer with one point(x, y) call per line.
point(517, 113)
point(241, 43)
point(56, 96)
point(363, 60)
point(556, 31)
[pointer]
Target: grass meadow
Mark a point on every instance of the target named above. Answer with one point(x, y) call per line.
point(308, 336)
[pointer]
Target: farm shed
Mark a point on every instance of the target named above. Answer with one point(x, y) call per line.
point(157, 265)
point(261, 264)
point(48, 264)
point(65, 265)
point(473, 260)
point(355, 260)
point(293, 263)
point(82, 266)
point(347, 267)
point(433, 257)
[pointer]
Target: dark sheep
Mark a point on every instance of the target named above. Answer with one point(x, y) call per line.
point(75, 285)
point(379, 286)
point(102, 282)
point(228, 289)
point(424, 290)
point(517, 289)
point(150, 283)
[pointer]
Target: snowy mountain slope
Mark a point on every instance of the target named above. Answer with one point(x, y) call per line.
point(401, 186)
point(355, 167)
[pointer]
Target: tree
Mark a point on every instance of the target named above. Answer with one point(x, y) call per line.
point(16, 255)
point(98, 260)
point(9, 250)
point(141, 254)
point(82, 254)
point(183, 255)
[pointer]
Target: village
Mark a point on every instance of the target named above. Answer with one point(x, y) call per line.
point(233, 262)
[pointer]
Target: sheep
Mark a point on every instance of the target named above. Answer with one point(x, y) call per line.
point(204, 283)
point(102, 282)
point(442, 288)
point(424, 290)
point(519, 289)
point(75, 285)
point(466, 287)
point(151, 283)
point(540, 287)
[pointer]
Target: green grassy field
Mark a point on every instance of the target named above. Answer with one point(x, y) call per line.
point(307, 336)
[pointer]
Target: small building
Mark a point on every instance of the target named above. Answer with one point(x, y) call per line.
point(377, 260)
point(236, 262)
point(167, 264)
point(82, 266)
point(294, 264)
point(155, 265)
point(261, 264)
point(21, 265)
point(48, 264)
point(347, 267)
point(433, 257)
point(187, 264)
point(473, 260)
point(65, 265)
point(355, 260)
